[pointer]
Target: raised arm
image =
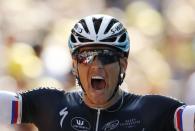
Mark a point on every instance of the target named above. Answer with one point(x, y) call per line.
point(10, 107)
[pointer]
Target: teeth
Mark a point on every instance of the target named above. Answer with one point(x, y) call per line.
point(97, 77)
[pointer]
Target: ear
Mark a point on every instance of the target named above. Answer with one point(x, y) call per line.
point(123, 63)
point(74, 68)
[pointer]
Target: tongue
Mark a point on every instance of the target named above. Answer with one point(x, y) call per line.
point(98, 84)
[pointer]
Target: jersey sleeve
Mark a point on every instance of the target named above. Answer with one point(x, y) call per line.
point(37, 103)
point(10, 107)
point(185, 118)
point(160, 112)
point(168, 121)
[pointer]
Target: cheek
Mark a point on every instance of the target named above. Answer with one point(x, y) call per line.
point(113, 73)
point(82, 72)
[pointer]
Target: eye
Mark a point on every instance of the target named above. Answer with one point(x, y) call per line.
point(107, 58)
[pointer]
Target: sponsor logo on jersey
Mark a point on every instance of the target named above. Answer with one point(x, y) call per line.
point(63, 113)
point(111, 125)
point(130, 123)
point(80, 124)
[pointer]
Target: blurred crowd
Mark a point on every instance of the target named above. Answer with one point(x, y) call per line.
point(34, 51)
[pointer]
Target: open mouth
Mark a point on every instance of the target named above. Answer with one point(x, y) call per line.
point(98, 82)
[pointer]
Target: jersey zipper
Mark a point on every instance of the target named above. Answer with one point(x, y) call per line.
point(97, 121)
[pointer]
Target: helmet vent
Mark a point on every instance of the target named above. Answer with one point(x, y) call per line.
point(112, 22)
point(97, 23)
point(82, 39)
point(82, 21)
point(110, 39)
point(72, 38)
point(122, 38)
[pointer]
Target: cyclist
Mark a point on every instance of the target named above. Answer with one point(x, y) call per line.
point(99, 45)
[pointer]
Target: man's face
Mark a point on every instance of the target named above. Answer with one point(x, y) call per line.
point(98, 70)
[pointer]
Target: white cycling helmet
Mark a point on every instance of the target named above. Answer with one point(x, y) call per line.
point(99, 30)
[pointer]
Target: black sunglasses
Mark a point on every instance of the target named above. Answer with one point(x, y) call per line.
point(105, 56)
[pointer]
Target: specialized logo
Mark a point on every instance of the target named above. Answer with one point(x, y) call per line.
point(63, 113)
point(80, 124)
point(111, 125)
point(117, 28)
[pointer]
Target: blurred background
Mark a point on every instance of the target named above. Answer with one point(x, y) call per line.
point(34, 52)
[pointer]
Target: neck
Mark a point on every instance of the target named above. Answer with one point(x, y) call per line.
point(107, 104)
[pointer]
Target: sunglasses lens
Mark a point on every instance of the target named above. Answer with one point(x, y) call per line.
point(105, 56)
point(85, 59)
point(107, 59)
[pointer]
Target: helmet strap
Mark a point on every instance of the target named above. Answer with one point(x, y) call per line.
point(78, 80)
point(121, 77)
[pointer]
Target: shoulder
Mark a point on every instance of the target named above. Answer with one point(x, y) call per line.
point(159, 102)
point(48, 92)
point(42, 90)
point(159, 98)
point(152, 101)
